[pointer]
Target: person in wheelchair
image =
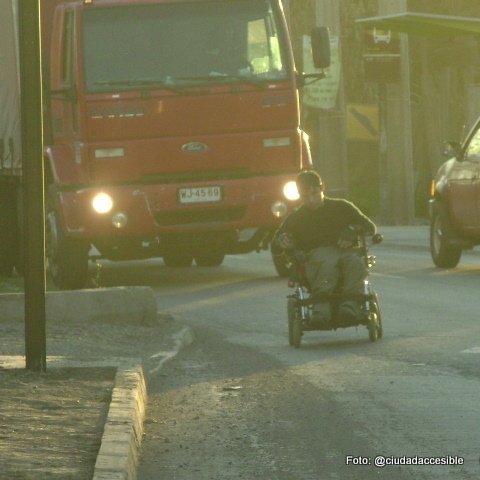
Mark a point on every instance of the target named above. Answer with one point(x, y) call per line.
point(326, 230)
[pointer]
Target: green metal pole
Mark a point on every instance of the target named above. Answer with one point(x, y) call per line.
point(33, 197)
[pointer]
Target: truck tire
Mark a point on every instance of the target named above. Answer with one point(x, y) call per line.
point(9, 241)
point(444, 255)
point(279, 262)
point(67, 258)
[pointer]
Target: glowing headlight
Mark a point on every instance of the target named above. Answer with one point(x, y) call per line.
point(102, 203)
point(290, 191)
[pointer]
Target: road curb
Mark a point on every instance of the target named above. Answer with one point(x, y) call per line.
point(123, 432)
point(135, 305)
point(117, 458)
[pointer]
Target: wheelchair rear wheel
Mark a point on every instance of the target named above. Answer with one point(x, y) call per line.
point(294, 324)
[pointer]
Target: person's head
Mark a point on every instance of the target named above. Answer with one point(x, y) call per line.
point(310, 187)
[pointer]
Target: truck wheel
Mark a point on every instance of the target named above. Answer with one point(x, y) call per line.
point(67, 258)
point(443, 254)
point(6, 260)
point(177, 259)
point(9, 240)
point(209, 259)
point(279, 262)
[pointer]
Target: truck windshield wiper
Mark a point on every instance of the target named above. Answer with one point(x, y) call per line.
point(220, 77)
point(142, 83)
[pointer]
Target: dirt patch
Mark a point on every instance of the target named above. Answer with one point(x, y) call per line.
point(51, 424)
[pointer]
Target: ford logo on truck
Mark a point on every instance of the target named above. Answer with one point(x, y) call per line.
point(194, 147)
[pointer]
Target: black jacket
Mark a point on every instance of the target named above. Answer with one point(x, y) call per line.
point(323, 226)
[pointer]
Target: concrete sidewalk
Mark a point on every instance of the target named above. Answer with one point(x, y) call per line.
point(134, 305)
point(83, 418)
point(104, 443)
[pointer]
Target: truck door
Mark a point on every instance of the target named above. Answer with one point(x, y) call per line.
point(64, 111)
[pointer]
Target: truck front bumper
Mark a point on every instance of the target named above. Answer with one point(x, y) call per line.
point(158, 212)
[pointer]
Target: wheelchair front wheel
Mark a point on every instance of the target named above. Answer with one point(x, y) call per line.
point(375, 327)
point(372, 328)
point(379, 316)
point(291, 319)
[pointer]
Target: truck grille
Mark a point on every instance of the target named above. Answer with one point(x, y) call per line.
point(210, 215)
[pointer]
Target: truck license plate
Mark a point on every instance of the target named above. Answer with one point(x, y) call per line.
point(200, 194)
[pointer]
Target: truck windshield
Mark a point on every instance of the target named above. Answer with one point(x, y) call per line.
point(179, 44)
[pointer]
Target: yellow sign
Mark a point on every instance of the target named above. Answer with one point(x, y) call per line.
point(362, 122)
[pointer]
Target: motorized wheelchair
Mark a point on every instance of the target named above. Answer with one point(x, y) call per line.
point(300, 303)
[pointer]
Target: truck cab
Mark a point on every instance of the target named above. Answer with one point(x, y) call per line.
point(172, 130)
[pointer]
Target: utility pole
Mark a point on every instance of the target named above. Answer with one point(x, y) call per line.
point(33, 197)
point(332, 146)
point(396, 151)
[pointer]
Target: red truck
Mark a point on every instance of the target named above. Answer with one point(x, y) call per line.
point(171, 130)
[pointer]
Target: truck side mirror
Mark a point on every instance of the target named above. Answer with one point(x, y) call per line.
point(452, 149)
point(320, 47)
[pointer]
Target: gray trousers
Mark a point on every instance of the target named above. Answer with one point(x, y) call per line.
point(330, 267)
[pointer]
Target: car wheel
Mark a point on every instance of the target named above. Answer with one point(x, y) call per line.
point(444, 255)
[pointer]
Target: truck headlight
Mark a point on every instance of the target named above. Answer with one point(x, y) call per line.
point(290, 191)
point(102, 203)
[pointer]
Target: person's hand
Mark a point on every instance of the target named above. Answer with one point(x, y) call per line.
point(347, 238)
point(284, 241)
point(345, 244)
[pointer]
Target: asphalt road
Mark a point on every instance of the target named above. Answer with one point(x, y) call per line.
point(240, 403)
